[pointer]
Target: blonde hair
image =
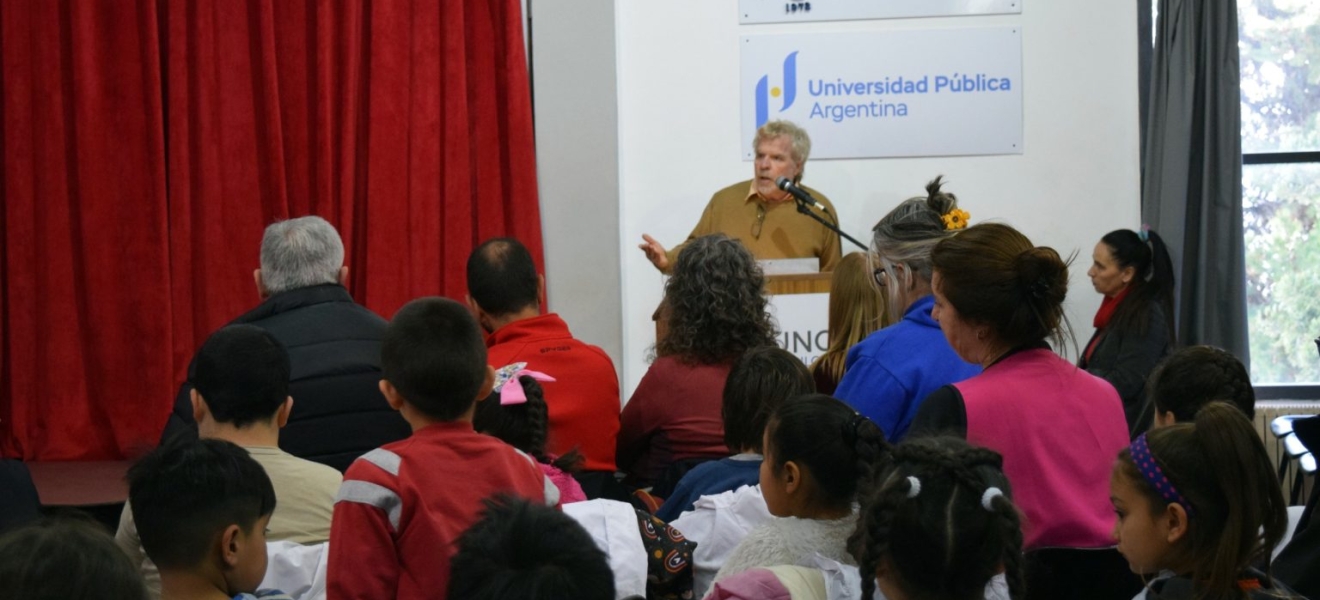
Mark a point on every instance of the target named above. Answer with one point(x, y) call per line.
point(857, 309)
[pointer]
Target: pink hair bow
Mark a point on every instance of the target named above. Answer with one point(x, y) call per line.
point(507, 384)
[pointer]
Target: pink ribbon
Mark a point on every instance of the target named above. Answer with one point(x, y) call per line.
point(507, 384)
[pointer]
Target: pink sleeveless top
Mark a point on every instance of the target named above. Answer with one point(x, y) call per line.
point(1060, 430)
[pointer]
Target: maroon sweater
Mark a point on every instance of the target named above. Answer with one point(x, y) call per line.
point(673, 415)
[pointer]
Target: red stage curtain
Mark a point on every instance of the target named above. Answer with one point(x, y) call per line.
point(146, 145)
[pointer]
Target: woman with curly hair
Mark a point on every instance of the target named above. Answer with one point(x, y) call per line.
point(715, 309)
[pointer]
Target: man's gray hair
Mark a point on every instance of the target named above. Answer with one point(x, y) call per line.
point(299, 253)
point(799, 141)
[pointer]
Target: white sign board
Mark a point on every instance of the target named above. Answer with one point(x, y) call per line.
point(785, 11)
point(935, 92)
point(804, 324)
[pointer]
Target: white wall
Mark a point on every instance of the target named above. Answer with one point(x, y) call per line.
point(637, 124)
point(577, 135)
point(678, 140)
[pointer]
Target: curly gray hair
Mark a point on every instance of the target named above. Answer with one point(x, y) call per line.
point(716, 303)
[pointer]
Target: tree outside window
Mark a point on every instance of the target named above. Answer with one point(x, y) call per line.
point(1279, 46)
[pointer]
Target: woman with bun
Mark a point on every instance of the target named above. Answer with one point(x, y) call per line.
point(887, 375)
point(998, 299)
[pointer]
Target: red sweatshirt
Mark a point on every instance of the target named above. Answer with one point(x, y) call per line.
point(583, 401)
point(404, 505)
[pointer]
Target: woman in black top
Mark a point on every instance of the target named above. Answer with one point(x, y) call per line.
point(1134, 326)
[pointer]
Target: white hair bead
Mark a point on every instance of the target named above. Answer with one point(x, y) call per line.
point(989, 496)
point(914, 487)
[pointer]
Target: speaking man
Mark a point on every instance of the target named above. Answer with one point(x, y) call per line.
point(759, 214)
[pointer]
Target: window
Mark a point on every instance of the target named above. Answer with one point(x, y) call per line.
point(1279, 47)
point(1279, 50)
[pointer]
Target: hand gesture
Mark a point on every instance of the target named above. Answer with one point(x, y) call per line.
point(655, 252)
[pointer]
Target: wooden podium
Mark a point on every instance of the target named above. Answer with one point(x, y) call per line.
point(775, 285)
point(801, 283)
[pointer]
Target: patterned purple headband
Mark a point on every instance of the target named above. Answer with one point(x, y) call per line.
point(1150, 470)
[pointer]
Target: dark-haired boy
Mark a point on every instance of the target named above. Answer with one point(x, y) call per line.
point(201, 508)
point(240, 394)
point(403, 506)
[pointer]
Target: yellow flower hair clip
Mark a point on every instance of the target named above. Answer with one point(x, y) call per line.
point(956, 219)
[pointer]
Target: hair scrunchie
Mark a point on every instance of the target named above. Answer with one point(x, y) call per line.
point(914, 487)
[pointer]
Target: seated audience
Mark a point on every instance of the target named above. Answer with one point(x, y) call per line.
point(857, 309)
point(515, 413)
point(1195, 376)
point(998, 298)
point(202, 508)
point(891, 372)
point(1134, 327)
point(760, 381)
point(333, 345)
point(403, 506)
point(505, 292)
point(1198, 502)
point(240, 394)
point(66, 559)
point(818, 454)
point(522, 551)
point(715, 309)
point(939, 525)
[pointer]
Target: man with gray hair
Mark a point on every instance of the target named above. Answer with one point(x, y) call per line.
point(758, 213)
point(334, 348)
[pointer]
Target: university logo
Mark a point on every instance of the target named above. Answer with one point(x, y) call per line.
point(764, 92)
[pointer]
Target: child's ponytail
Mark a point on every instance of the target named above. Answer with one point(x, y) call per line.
point(1254, 512)
point(523, 422)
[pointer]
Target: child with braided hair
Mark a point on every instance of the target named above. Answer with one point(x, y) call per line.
point(818, 454)
point(1199, 503)
point(939, 525)
point(516, 413)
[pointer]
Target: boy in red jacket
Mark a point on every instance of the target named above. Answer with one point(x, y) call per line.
point(402, 506)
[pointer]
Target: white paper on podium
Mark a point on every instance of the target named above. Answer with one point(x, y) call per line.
point(789, 266)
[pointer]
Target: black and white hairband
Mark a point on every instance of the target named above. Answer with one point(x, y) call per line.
point(987, 498)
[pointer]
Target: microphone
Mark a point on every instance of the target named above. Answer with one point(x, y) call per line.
point(784, 184)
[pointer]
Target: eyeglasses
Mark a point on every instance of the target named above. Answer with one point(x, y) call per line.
point(881, 275)
point(760, 220)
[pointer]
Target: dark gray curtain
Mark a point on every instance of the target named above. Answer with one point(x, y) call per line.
point(1192, 172)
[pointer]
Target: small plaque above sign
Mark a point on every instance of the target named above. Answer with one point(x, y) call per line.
point(771, 11)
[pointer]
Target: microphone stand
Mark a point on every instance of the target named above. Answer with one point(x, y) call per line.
point(804, 209)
